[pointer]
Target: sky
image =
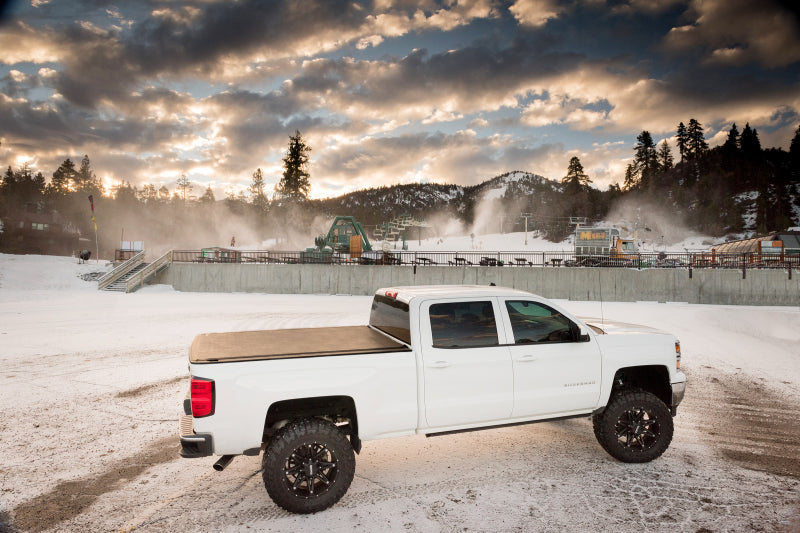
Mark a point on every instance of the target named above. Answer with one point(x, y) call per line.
point(384, 92)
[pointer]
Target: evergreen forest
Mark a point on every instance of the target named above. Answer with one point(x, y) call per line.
point(738, 188)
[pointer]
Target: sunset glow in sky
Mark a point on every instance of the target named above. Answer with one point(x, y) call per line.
point(384, 92)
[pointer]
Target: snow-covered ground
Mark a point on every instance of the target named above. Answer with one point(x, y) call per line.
point(92, 384)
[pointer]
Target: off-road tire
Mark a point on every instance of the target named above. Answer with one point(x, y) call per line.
point(308, 466)
point(635, 427)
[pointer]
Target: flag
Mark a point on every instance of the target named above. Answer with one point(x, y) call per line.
point(91, 204)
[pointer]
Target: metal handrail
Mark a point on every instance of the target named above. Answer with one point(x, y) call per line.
point(527, 258)
point(138, 279)
point(120, 271)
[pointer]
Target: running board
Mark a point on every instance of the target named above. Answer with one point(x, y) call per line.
point(499, 426)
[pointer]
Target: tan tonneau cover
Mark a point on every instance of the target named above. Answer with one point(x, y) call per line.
point(288, 343)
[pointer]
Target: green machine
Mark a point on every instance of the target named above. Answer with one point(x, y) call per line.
point(346, 235)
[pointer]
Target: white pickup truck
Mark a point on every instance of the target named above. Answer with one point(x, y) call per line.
point(433, 360)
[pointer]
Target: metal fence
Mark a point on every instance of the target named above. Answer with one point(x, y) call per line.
point(686, 260)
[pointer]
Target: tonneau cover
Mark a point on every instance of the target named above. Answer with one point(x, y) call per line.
point(288, 343)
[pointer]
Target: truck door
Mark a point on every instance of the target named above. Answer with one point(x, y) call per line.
point(554, 371)
point(467, 373)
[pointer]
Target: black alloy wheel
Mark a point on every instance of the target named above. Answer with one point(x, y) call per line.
point(635, 427)
point(308, 465)
point(310, 470)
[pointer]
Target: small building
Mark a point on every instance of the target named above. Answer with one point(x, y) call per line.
point(32, 231)
point(778, 242)
point(778, 247)
point(127, 249)
point(216, 254)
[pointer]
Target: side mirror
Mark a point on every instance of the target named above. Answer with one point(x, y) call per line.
point(578, 333)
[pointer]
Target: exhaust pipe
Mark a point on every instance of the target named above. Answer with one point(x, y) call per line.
point(223, 462)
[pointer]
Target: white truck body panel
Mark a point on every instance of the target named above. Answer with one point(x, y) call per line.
point(385, 384)
point(434, 388)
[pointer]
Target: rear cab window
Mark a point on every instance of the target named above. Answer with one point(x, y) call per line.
point(390, 316)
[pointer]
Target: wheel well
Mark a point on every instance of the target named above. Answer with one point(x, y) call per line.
point(340, 410)
point(654, 379)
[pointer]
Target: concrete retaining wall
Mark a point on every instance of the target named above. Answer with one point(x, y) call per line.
point(760, 287)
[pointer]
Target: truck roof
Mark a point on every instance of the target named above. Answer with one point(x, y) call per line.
point(408, 293)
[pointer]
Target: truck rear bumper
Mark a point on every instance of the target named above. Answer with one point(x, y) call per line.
point(193, 444)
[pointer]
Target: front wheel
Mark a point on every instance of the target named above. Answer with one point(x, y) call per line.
point(636, 427)
point(308, 466)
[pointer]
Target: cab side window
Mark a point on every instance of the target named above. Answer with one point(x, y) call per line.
point(537, 323)
point(463, 325)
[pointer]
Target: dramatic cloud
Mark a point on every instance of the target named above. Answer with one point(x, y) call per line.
point(737, 32)
point(534, 12)
point(388, 91)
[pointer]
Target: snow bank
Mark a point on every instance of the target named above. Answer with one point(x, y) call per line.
point(47, 272)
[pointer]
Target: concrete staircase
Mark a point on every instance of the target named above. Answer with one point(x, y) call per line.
point(121, 283)
point(133, 273)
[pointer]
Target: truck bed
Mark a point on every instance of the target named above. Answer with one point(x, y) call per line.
point(290, 343)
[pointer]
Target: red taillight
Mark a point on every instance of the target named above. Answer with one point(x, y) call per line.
point(202, 397)
point(391, 294)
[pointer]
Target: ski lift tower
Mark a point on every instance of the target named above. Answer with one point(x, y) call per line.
point(578, 221)
point(398, 227)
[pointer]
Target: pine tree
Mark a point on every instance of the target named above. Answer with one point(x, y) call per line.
point(22, 187)
point(631, 179)
point(576, 179)
point(163, 193)
point(63, 179)
point(208, 196)
point(645, 160)
point(257, 190)
point(9, 179)
point(697, 144)
point(39, 183)
point(185, 186)
point(751, 146)
point(731, 145)
point(125, 194)
point(665, 160)
point(794, 152)
point(295, 185)
point(85, 178)
point(148, 193)
point(682, 138)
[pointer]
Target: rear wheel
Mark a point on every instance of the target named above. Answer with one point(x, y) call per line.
point(308, 466)
point(636, 427)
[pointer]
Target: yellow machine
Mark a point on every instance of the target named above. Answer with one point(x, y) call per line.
point(602, 246)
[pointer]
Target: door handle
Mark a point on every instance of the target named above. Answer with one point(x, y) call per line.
point(439, 364)
point(527, 358)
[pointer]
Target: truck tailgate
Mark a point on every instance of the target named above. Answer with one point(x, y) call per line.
point(289, 343)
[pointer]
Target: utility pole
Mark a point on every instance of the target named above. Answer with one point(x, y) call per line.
point(526, 216)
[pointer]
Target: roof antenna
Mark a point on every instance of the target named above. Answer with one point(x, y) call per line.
point(491, 284)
